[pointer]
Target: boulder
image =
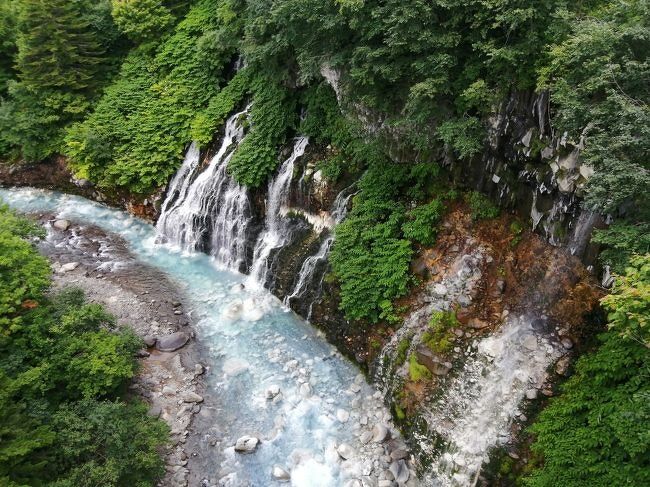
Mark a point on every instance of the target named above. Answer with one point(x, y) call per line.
point(272, 391)
point(379, 433)
point(431, 361)
point(280, 474)
point(61, 225)
point(149, 340)
point(171, 343)
point(246, 444)
point(345, 451)
point(567, 343)
point(342, 415)
point(70, 266)
point(400, 471)
point(192, 397)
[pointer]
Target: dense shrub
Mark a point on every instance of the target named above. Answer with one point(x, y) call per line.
point(64, 367)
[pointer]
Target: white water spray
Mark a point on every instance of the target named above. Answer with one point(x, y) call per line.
point(276, 230)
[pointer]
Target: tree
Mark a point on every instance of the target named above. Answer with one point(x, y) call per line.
point(596, 431)
point(142, 20)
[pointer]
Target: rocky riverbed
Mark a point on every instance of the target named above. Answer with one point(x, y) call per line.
point(173, 366)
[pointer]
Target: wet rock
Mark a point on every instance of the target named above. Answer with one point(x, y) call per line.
point(400, 471)
point(149, 340)
point(342, 415)
point(379, 433)
point(192, 397)
point(567, 343)
point(530, 342)
point(562, 366)
point(199, 369)
point(61, 225)
point(365, 437)
point(345, 451)
point(246, 444)
point(272, 391)
point(399, 454)
point(431, 361)
point(70, 266)
point(440, 289)
point(305, 390)
point(234, 366)
point(280, 474)
point(171, 343)
point(355, 387)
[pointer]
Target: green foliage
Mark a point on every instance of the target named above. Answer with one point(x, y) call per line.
point(271, 115)
point(417, 371)
point(621, 241)
point(369, 257)
point(595, 432)
point(440, 337)
point(8, 28)
point(464, 136)
point(422, 224)
point(598, 76)
point(63, 367)
point(163, 95)
point(141, 20)
point(402, 350)
point(59, 63)
point(628, 305)
point(23, 274)
point(482, 208)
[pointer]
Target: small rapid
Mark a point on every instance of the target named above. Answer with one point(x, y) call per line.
point(274, 375)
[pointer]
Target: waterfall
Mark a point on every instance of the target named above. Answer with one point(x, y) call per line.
point(276, 231)
point(479, 404)
point(209, 211)
point(309, 266)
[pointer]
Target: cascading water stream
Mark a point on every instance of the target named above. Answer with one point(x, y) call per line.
point(477, 407)
point(209, 211)
point(276, 229)
point(308, 269)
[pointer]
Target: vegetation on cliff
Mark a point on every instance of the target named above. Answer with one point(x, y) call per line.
point(64, 366)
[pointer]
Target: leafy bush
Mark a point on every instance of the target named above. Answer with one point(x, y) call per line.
point(481, 207)
point(422, 225)
point(63, 369)
point(594, 432)
point(622, 240)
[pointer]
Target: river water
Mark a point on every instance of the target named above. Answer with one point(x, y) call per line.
point(254, 344)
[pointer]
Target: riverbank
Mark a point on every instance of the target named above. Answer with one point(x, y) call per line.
point(173, 366)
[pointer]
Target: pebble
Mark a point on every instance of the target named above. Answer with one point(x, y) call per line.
point(70, 266)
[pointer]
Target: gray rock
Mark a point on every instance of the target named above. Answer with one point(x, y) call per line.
point(149, 340)
point(61, 225)
point(170, 343)
point(567, 343)
point(199, 369)
point(400, 471)
point(246, 444)
point(192, 397)
point(531, 394)
point(280, 474)
point(399, 454)
point(379, 433)
point(342, 415)
point(70, 266)
point(272, 391)
point(168, 391)
point(365, 437)
point(530, 342)
point(83, 183)
point(431, 361)
point(345, 451)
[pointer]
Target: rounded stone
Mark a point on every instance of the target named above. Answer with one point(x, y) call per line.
point(170, 343)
